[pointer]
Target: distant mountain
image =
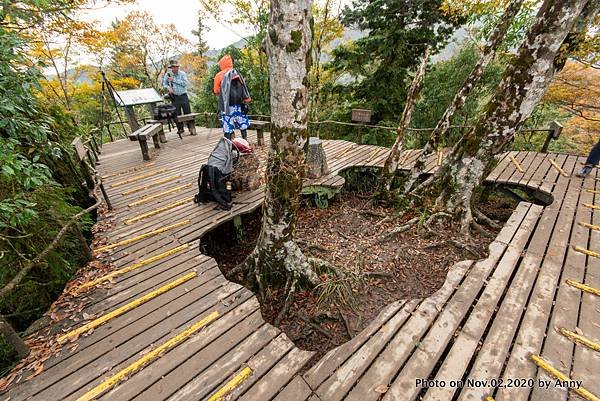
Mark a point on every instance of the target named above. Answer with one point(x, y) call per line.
point(454, 43)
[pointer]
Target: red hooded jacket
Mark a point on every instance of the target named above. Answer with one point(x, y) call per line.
point(226, 64)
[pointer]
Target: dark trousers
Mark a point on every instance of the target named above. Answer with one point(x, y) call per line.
point(181, 102)
point(594, 156)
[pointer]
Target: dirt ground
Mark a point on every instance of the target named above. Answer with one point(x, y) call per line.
point(381, 268)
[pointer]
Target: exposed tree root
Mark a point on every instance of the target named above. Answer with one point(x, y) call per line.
point(289, 298)
point(465, 247)
point(379, 274)
point(398, 230)
point(346, 324)
point(314, 326)
point(485, 219)
point(436, 216)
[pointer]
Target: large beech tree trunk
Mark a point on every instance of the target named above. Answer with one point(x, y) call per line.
point(277, 258)
point(488, 54)
point(523, 85)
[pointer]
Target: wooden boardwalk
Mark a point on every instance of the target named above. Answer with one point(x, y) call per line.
point(173, 328)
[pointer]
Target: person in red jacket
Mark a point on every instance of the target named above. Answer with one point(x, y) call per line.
point(234, 97)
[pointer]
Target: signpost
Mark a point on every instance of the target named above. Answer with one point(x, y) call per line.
point(134, 97)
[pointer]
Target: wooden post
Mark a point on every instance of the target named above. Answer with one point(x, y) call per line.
point(86, 248)
point(192, 127)
point(239, 228)
point(13, 339)
point(316, 159)
point(133, 122)
point(553, 133)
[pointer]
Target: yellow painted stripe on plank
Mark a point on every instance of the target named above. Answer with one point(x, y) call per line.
point(587, 252)
point(150, 185)
point(405, 158)
point(134, 266)
point(595, 207)
point(372, 155)
point(141, 237)
point(583, 287)
point(561, 376)
point(440, 157)
point(346, 150)
point(137, 178)
point(591, 191)
point(557, 167)
point(580, 339)
point(146, 359)
point(516, 163)
point(152, 197)
point(231, 384)
point(157, 211)
point(125, 308)
point(129, 170)
point(587, 225)
point(489, 398)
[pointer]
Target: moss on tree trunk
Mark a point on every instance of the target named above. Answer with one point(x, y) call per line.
point(277, 258)
point(524, 83)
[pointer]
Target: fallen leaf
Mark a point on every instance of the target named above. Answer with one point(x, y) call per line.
point(382, 389)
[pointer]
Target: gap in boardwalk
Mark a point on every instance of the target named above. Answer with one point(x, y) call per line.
point(351, 234)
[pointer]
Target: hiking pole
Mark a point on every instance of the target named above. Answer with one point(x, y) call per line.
point(213, 124)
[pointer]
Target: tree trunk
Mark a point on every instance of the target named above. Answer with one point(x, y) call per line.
point(461, 96)
point(523, 85)
point(391, 163)
point(277, 258)
point(13, 339)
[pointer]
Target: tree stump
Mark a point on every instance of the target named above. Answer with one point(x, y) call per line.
point(316, 161)
point(246, 175)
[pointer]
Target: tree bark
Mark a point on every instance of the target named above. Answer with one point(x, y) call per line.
point(523, 85)
point(277, 258)
point(461, 96)
point(13, 339)
point(391, 163)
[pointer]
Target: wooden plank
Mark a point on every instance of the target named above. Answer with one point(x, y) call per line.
point(464, 347)
point(337, 356)
point(586, 361)
point(533, 168)
point(511, 169)
point(381, 372)
point(296, 390)
point(278, 376)
point(496, 344)
point(123, 345)
point(120, 357)
point(534, 325)
point(260, 364)
point(495, 277)
point(341, 381)
point(503, 162)
point(163, 378)
point(212, 377)
point(558, 350)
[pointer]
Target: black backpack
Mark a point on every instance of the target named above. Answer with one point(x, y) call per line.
point(212, 187)
point(165, 112)
point(236, 92)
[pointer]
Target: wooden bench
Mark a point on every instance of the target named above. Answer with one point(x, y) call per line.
point(141, 135)
point(189, 120)
point(260, 126)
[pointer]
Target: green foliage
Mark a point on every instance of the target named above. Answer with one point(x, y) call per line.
point(377, 66)
point(35, 201)
point(439, 87)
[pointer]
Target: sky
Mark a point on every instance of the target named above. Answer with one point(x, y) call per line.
point(182, 13)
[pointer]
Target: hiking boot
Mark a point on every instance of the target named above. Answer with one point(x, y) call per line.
point(584, 171)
